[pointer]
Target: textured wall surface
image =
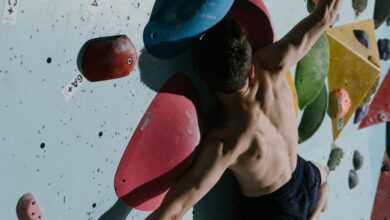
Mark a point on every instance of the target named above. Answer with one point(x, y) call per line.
point(66, 152)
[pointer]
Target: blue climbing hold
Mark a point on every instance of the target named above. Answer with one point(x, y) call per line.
point(177, 23)
point(362, 37)
point(360, 113)
point(384, 49)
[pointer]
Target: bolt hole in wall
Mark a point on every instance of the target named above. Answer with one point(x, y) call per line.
point(153, 35)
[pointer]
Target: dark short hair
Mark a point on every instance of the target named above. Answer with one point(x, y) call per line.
point(223, 57)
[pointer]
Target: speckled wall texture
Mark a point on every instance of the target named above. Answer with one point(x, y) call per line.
point(66, 152)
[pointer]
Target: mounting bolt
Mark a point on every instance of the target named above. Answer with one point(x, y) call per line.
point(382, 117)
point(153, 35)
point(130, 61)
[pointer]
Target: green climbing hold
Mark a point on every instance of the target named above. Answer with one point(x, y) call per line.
point(357, 160)
point(353, 179)
point(359, 6)
point(313, 116)
point(310, 6)
point(312, 71)
point(335, 158)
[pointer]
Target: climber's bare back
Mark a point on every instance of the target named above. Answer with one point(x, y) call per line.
point(265, 135)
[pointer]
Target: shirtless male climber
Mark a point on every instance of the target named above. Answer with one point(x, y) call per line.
point(258, 137)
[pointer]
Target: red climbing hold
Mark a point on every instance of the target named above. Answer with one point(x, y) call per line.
point(255, 19)
point(108, 58)
point(27, 208)
point(161, 148)
point(380, 107)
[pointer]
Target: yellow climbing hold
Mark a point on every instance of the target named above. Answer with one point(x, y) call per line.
point(352, 66)
point(290, 82)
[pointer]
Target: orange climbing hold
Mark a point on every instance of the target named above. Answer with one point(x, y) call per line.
point(339, 103)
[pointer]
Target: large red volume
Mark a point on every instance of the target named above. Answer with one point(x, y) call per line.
point(161, 147)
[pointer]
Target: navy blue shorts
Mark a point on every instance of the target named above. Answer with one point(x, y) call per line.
point(294, 200)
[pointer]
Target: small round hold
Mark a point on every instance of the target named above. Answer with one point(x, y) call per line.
point(357, 160)
point(130, 61)
point(353, 179)
point(382, 117)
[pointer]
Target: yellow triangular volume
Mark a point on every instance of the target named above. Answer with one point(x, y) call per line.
point(346, 35)
point(350, 68)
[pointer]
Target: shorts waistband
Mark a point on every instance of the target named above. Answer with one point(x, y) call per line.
point(291, 185)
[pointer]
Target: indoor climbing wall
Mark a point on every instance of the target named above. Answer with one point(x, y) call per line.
point(62, 136)
point(343, 202)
